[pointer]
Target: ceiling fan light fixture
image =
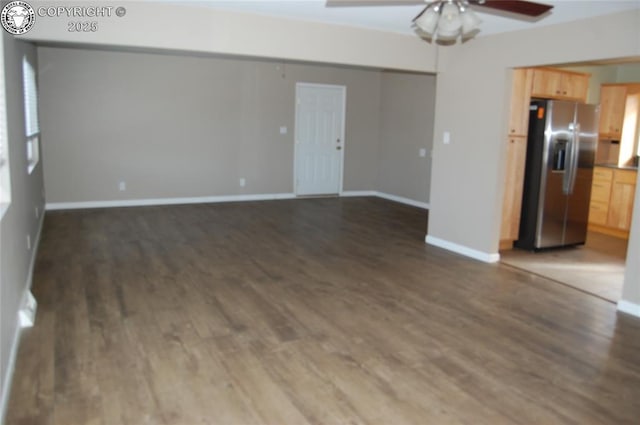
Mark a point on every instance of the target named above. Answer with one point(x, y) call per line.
point(449, 19)
point(447, 35)
point(428, 20)
point(470, 21)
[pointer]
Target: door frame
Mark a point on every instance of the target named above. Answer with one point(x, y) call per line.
point(343, 89)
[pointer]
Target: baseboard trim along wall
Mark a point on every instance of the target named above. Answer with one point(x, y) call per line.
point(28, 302)
point(403, 200)
point(166, 201)
point(387, 196)
point(358, 193)
point(629, 308)
point(463, 250)
point(216, 199)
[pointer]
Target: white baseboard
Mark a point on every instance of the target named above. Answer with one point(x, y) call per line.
point(166, 201)
point(215, 199)
point(387, 196)
point(403, 200)
point(358, 193)
point(27, 313)
point(15, 343)
point(629, 308)
point(463, 250)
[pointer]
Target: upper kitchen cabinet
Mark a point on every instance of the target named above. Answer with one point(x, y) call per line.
point(520, 99)
point(612, 103)
point(618, 127)
point(556, 84)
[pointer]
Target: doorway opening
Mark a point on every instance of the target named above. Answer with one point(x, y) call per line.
point(598, 266)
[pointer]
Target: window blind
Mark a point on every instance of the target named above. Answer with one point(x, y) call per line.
point(30, 98)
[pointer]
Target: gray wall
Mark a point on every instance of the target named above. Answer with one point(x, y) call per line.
point(406, 126)
point(19, 220)
point(631, 289)
point(628, 73)
point(183, 126)
point(180, 126)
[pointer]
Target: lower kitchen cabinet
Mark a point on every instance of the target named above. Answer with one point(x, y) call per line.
point(622, 195)
point(612, 196)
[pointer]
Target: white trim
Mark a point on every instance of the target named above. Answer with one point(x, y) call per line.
point(343, 89)
point(463, 250)
point(52, 206)
point(166, 201)
point(387, 196)
point(629, 308)
point(27, 313)
point(358, 193)
point(6, 385)
point(403, 200)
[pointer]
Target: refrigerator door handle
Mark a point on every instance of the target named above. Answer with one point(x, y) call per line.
point(566, 179)
point(575, 152)
point(569, 180)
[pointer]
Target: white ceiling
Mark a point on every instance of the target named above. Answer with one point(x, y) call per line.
point(398, 18)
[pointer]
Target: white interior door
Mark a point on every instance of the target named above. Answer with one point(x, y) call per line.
point(319, 139)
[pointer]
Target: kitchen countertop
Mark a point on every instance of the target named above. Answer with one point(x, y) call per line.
point(618, 167)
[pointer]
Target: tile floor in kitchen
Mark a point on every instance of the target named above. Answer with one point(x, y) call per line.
point(596, 268)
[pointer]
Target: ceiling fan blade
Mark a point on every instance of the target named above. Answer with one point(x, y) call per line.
point(520, 7)
point(420, 14)
point(351, 3)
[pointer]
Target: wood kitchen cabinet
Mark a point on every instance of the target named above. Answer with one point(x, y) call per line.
point(516, 153)
point(600, 195)
point(527, 83)
point(556, 84)
point(623, 192)
point(512, 200)
point(520, 99)
point(612, 196)
point(612, 104)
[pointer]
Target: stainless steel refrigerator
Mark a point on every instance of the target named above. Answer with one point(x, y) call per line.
point(561, 148)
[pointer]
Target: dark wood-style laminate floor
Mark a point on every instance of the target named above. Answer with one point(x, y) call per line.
point(317, 311)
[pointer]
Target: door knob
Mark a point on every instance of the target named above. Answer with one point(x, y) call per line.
point(338, 147)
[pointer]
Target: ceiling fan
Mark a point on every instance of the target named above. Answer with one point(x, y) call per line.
point(448, 19)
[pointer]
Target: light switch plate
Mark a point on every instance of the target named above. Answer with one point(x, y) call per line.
point(446, 138)
point(423, 152)
point(283, 130)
